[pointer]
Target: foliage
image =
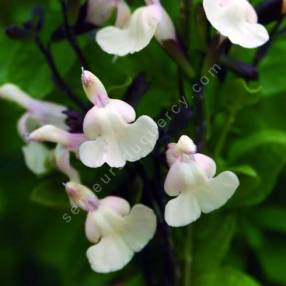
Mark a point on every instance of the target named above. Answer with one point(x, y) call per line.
point(241, 245)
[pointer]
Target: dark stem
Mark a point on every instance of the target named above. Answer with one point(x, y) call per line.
point(56, 75)
point(172, 266)
point(156, 200)
point(199, 115)
point(70, 35)
point(262, 51)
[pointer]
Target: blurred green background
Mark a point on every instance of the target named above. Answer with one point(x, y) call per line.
point(241, 245)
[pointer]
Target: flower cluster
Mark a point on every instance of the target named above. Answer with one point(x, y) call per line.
point(111, 134)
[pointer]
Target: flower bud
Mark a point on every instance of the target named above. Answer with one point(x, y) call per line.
point(94, 89)
point(56, 135)
point(82, 196)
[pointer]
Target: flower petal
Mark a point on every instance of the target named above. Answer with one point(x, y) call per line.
point(236, 20)
point(110, 254)
point(126, 111)
point(166, 29)
point(99, 11)
point(135, 37)
point(182, 210)
point(182, 177)
point(92, 229)
point(220, 190)
point(140, 226)
point(123, 14)
point(37, 156)
point(123, 142)
point(138, 141)
point(206, 163)
point(50, 133)
point(93, 153)
point(117, 204)
point(62, 157)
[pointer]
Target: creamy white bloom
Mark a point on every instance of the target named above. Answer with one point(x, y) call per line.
point(116, 231)
point(66, 142)
point(38, 112)
point(237, 20)
point(99, 11)
point(114, 137)
point(145, 23)
point(191, 180)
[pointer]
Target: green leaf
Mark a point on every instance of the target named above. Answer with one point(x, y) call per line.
point(270, 218)
point(33, 76)
point(265, 152)
point(50, 193)
point(227, 277)
point(238, 94)
point(272, 68)
point(273, 261)
point(214, 235)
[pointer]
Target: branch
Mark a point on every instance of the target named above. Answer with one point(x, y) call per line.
point(71, 36)
point(56, 75)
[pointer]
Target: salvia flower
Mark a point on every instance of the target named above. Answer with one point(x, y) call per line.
point(114, 137)
point(116, 230)
point(144, 23)
point(237, 20)
point(38, 112)
point(99, 11)
point(38, 157)
point(66, 142)
point(191, 179)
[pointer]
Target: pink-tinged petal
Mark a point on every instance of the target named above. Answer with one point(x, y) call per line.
point(13, 93)
point(117, 204)
point(42, 112)
point(182, 210)
point(124, 109)
point(171, 155)
point(62, 158)
point(94, 89)
point(206, 164)
point(218, 192)
point(82, 196)
point(25, 125)
point(49, 133)
point(135, 36)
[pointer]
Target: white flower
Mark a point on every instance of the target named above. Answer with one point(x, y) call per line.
point(99, 11)
point(116, 231)
point(237, 20)
point(191, 180)
point(38, 112)
point(66, 143)
point(145, 23)
point(114, 136)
